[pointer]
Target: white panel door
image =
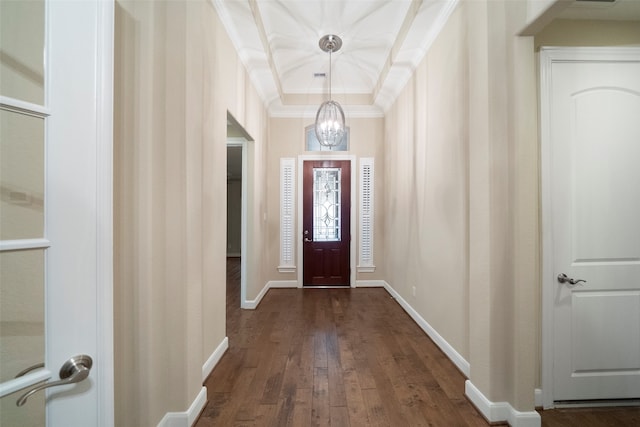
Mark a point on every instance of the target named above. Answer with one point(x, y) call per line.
point(593, 155)
point(55, 211)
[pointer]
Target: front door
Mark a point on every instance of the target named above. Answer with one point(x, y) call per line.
point(593, 282)
point(55, 212)
point(326, 222)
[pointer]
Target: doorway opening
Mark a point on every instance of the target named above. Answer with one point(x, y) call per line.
point(326, 195)
point(237, 196)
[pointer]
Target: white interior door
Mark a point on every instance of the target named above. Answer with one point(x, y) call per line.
point(591, 122)
point(55, 211)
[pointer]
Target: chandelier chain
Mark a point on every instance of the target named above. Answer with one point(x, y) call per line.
point(330, 65)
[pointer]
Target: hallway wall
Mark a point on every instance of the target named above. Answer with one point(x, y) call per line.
point(426, 182)
point(461, 209)
point(176, 76)
point(569, 32)
point(461, 155)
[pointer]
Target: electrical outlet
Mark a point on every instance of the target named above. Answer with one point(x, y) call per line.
point(413, 291)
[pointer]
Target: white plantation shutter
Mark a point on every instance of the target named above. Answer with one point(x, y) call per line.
point(287, 207)
point(365, 260)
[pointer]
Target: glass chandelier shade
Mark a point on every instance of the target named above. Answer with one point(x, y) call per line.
point(330, 126)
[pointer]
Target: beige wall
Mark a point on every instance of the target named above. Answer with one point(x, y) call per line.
point(176, 76)
point(426, 186)
point(461, 196)
point(466, 178)
point(565, 32)
point(286, 139)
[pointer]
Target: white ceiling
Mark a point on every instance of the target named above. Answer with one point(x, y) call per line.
point(383, 42)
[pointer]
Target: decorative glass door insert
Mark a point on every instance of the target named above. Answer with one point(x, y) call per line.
point(326, 204)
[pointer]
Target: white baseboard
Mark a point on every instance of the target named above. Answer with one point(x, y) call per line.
point(537, 393)
point(215, 357)
point(451, 353)
point(189, 417)
point(495, 412)
point(282, 284)
point(252, 304)
point(370, 283)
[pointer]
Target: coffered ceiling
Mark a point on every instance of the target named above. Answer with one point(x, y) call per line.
point(383, 42)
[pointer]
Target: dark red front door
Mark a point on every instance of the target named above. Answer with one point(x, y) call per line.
point(326, 222)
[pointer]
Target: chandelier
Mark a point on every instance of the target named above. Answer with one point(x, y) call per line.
point(329, 127)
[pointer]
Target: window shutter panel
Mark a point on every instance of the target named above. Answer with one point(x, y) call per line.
point(287, 208)
point(365, 260)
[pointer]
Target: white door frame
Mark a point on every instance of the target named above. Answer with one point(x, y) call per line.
point(548, 282)
point(242, 142)
point(352, 209)
point(104, 203)
point(100, 208)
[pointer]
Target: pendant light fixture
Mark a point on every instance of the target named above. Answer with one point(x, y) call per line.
point(330, 127)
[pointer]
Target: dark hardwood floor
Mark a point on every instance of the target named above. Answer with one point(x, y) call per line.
point(343, 357)
point(592, 417)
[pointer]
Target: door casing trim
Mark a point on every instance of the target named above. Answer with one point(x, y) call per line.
point(352, 212)
point(242, 143)
point(104, 204)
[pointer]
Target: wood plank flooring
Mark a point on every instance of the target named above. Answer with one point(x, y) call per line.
point(592, 417)
point(341, 357)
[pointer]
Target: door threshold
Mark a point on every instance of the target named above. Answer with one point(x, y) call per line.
point(601, 403)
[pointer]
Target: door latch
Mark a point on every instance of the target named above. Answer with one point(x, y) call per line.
point(73, 371)
point(563, 278)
